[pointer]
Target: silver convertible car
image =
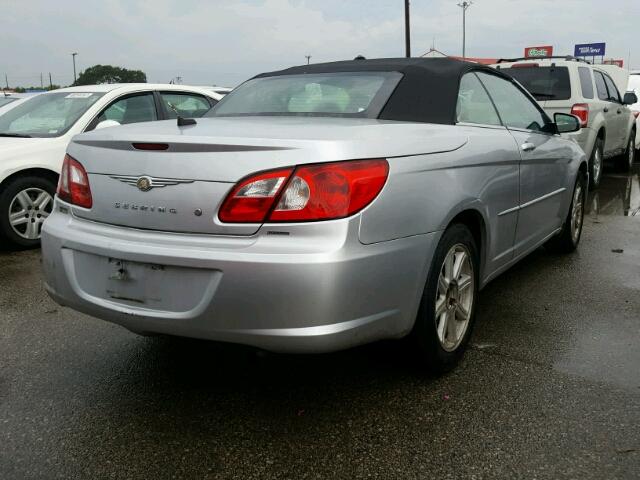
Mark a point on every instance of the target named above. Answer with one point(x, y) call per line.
point(318, 208)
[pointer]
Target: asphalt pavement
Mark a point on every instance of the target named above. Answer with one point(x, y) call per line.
point(549, 389)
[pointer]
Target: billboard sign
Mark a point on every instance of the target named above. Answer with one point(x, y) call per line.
point(544, 51)
point(589, 50)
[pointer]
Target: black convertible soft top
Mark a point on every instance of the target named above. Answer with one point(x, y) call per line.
point(427, 92)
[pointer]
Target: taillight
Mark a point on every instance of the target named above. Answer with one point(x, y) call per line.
point(308, 193)
point(581, 110)
point(73, 186)
point(635, 114)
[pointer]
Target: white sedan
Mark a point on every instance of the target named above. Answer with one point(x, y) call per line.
point(34, 136)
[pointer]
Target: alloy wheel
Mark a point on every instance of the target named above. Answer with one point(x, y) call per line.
point(28, 210)
point(597, 165)
point(454, 297)
point(577, 212)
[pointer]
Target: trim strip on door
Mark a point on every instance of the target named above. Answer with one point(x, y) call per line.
point(531, 202)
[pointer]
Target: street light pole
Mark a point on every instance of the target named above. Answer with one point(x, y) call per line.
point(407, 30)
point(308, 57)
point(464, 5)
point(73, 55)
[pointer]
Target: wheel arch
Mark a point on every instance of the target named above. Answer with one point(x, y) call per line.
point(28, 172)
point(475, 221)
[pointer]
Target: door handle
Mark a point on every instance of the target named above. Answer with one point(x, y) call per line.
point(606, 109)
point(619, 110)
point(527, 147)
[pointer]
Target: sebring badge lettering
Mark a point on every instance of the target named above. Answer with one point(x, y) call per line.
point(144, 208)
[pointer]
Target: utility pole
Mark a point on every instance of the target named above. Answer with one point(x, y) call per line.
point(6, 80)
point(50, 82)
point(73, 55)
point(308, 57)
point(464, 5)
point(41, 83)
point(407, 30)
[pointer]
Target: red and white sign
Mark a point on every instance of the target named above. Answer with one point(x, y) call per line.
point(619, 63)
point(533, 52)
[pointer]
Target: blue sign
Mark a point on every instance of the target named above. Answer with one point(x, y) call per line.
point(589, 50)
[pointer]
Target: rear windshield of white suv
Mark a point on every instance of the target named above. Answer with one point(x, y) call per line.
point(544, 83)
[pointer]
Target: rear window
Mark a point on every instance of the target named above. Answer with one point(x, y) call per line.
point(544, 83)
point(586, 83)
point(361, 94)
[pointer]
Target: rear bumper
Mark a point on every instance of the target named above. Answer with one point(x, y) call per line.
point(314, 289)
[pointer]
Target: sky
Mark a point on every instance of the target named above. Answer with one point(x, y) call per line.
point(223, 42)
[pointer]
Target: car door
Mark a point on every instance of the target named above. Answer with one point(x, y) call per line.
point(609, 112)
point(618, 113)
point(499, 168)
point(132, 108)
point(186, 104)
point(544, 158)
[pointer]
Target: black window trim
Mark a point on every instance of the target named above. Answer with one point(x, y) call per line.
point(516, 84)
point(94, 121)
point(605, 76)
point(601, 73)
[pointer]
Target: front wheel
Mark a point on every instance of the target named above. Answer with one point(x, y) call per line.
point(447, 310)
point(25, 203)
point(569, 237)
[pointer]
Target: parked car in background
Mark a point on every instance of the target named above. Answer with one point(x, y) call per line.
point(34, 136)
point(570, 85)
point(634, 86)
point(318, 208)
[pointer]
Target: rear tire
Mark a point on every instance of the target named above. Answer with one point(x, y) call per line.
point(447, 310)
point(627, 159)
point(569, 237)
point(25, 202)
point(596, 164)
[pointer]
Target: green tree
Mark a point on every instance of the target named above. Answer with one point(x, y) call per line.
point(110, 74)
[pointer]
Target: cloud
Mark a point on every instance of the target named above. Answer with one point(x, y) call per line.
point(225, 42)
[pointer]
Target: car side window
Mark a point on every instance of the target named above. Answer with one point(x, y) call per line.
point(474, 104)
point(515, 108)
point(601, 87)
point(586, 84)
point(130, 109)
point(614, 95)
point(188, 105)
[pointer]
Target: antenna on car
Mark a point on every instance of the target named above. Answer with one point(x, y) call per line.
point(182, 122)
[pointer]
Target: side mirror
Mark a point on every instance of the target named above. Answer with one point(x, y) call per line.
point(107, 124)
point(566, 123)
point(630, 98)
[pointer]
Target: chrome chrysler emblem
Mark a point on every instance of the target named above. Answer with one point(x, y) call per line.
point(146, 183)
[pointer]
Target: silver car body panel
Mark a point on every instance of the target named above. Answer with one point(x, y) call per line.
point(299, 287)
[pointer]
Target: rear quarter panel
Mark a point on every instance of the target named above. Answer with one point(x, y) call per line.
point(425, 192)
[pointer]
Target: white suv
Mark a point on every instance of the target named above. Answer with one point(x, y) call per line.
point(571, 85)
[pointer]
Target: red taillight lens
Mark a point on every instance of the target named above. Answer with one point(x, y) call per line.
point(581, 110)
point(252, 198)
point(330, 190)
point(310, 193)
point(73, 186)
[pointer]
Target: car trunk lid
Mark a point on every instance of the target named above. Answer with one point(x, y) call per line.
point(180, 186)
